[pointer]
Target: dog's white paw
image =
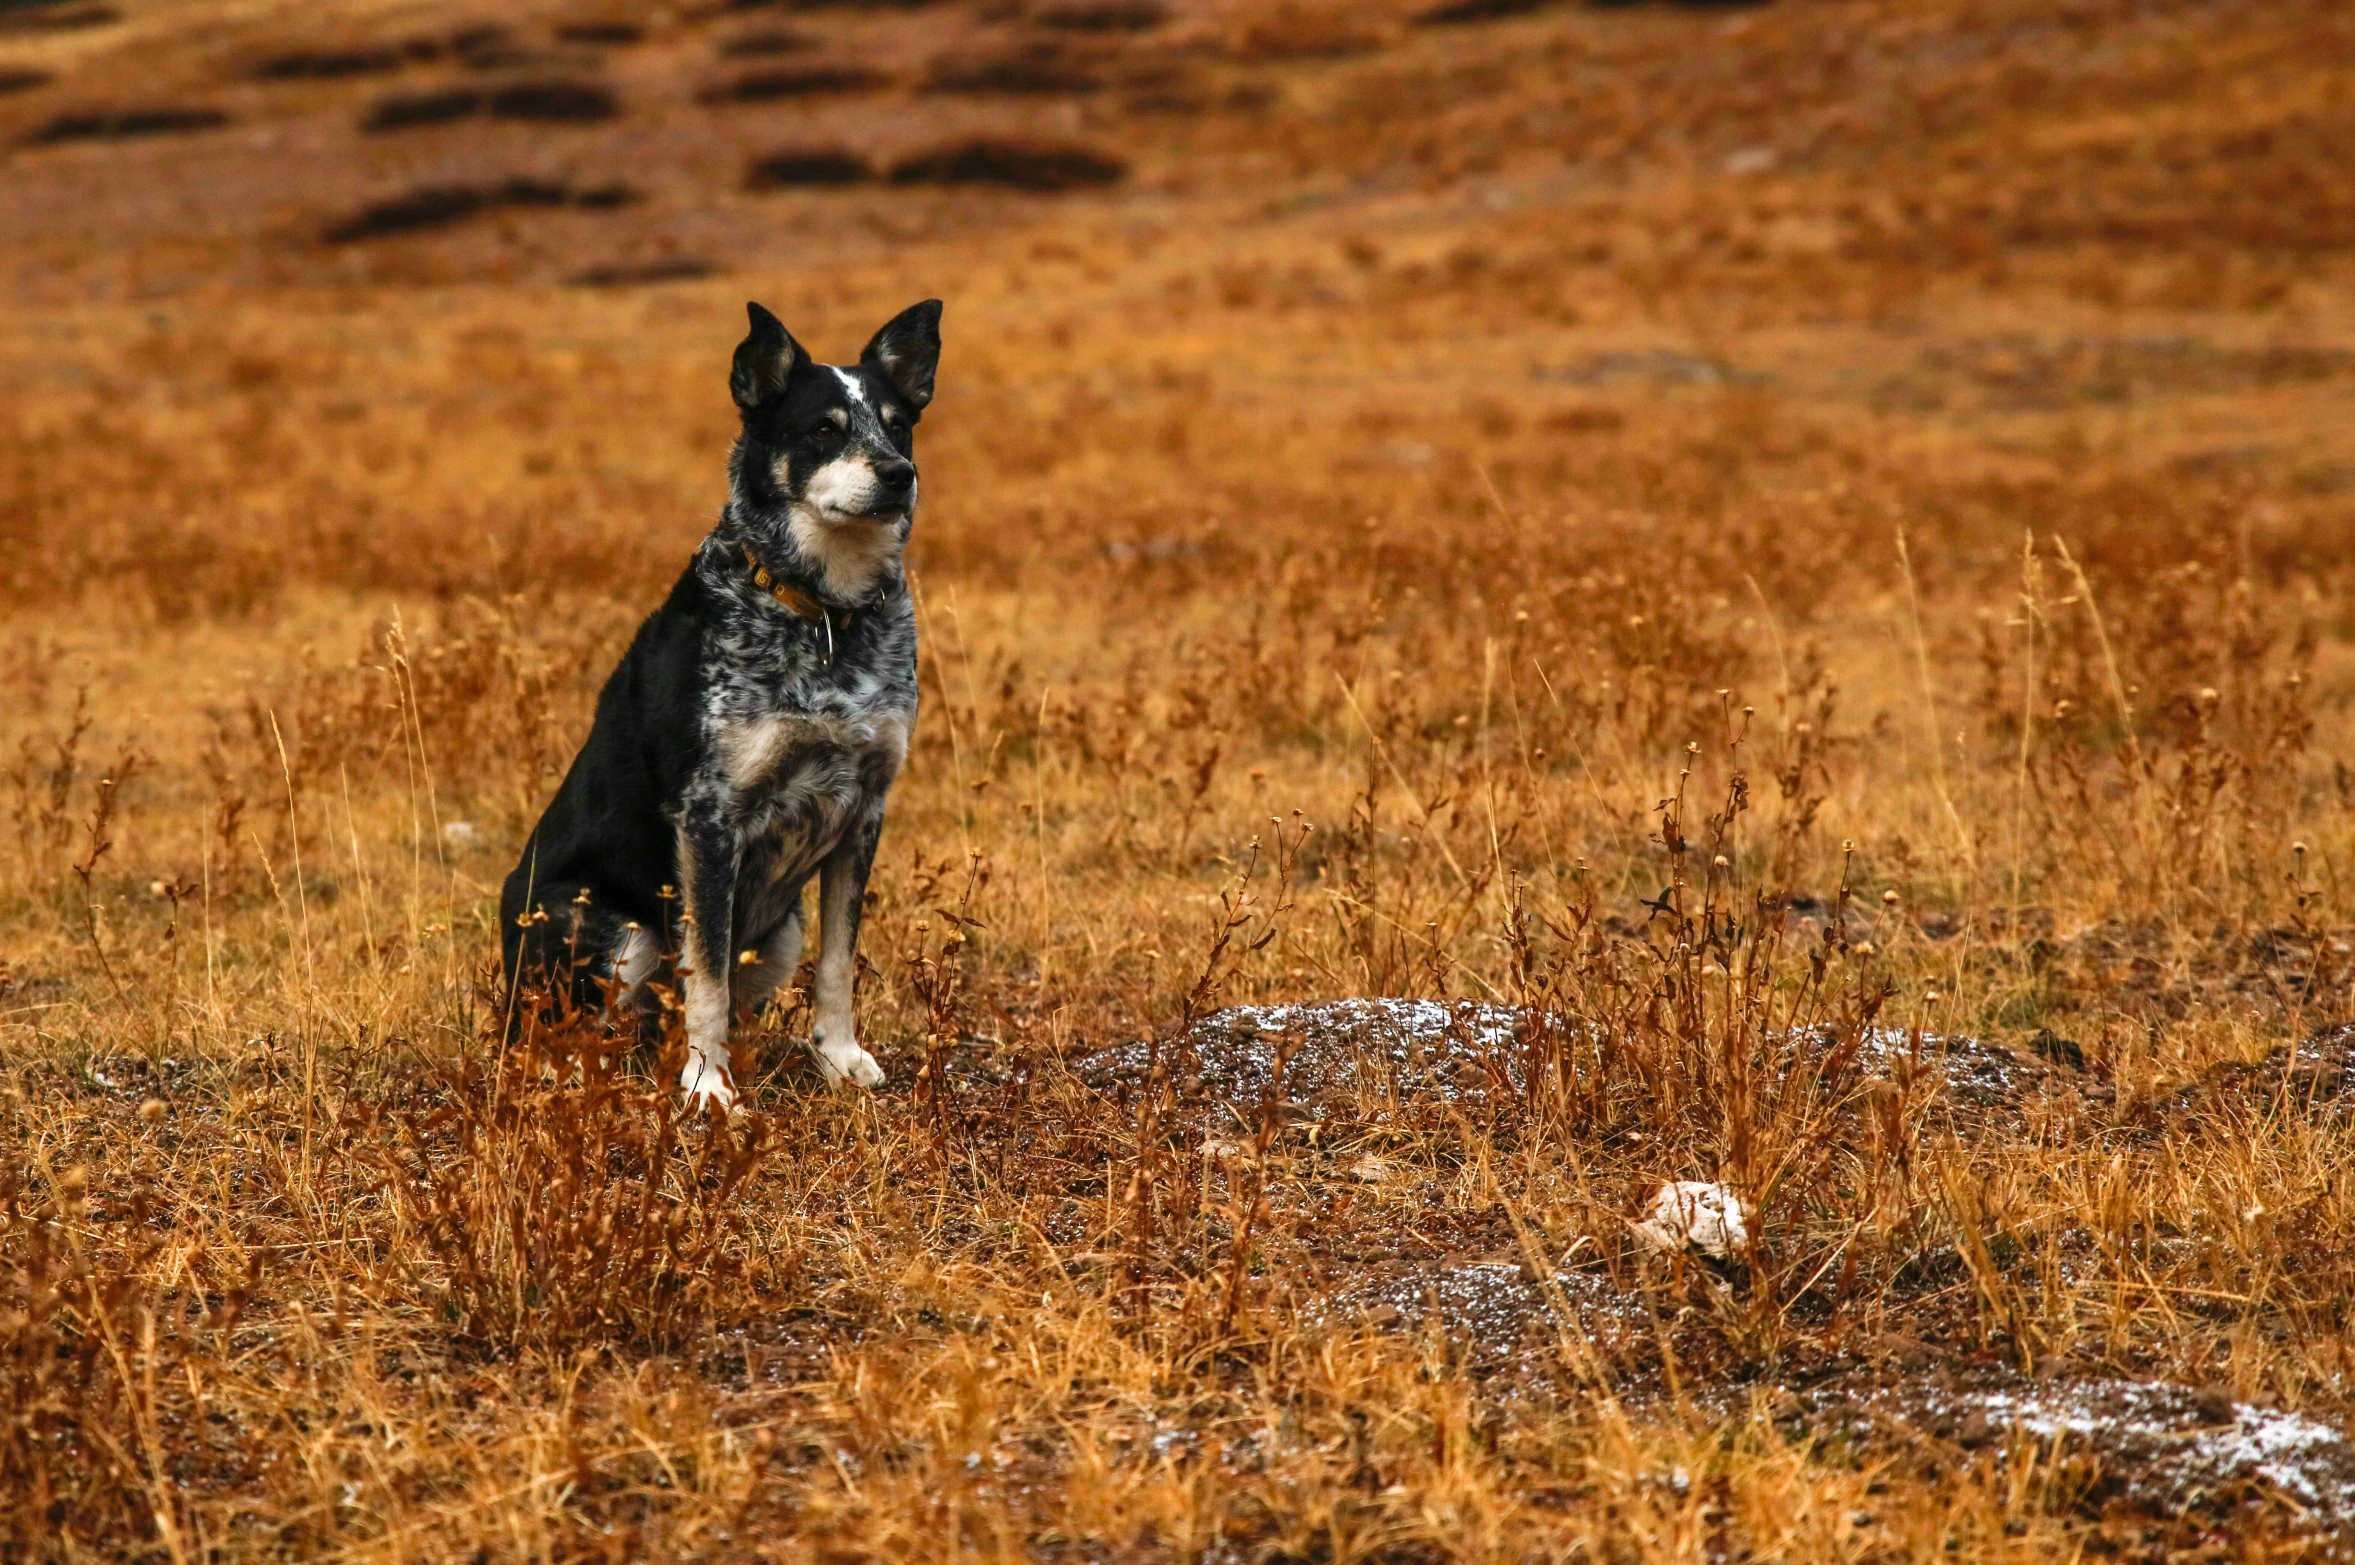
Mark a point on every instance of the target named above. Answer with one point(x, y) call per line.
point(706, 1084)
point(841, 1062)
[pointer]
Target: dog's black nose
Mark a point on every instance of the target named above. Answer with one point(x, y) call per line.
point(895, 480)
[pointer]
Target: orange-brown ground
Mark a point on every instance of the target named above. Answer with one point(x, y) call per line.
point(1700, 523)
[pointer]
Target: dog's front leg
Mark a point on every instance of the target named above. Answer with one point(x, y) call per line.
point(707, 871)
point(842, 895)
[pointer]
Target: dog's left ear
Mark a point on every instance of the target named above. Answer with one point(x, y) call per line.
point(907, 351)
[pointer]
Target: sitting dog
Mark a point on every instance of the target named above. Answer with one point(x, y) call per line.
point(750, 735)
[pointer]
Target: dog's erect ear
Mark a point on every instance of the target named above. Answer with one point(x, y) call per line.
point(907, 351)
point(765, 360)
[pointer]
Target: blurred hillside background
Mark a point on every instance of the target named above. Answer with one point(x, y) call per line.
point(360, 294)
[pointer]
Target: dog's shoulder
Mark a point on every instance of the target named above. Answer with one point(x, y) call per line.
point(666, 654)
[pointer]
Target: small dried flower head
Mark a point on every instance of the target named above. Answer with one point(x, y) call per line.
point(1890, 896)
point(2208, 695)
point(2297, 847)
point(1864, 948)
point(1722, 862)
point(152, 1111)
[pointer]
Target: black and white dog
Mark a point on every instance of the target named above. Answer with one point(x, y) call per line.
point(749, 736)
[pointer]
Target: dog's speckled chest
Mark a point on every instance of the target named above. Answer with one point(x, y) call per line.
point(802, 730)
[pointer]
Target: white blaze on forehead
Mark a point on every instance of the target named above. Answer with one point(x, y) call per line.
point(850, 385)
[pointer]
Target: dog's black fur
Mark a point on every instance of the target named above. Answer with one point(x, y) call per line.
point(743, 745)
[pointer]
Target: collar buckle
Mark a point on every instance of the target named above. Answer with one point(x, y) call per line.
point(794, 602)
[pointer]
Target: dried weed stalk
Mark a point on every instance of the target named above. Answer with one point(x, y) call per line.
point(562, 1201)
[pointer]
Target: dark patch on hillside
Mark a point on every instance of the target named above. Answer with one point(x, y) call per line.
point(1102, 16)
point(628, 274)
point(408, 111)
point(53, 16)
point(328, 64)
point(441, 206)
point(552, 102)
point(555, 102)
point(1037, 166)
point(126, 124)
point(807, 166)
point(1039, 68)
point(1459, 12)
point(488, 47)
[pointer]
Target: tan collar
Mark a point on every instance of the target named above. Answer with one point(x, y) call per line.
point(796, 602)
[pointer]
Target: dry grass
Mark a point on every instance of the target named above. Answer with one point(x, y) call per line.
point(1724, 530)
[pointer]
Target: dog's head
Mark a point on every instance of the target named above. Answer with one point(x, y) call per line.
point(833, 446)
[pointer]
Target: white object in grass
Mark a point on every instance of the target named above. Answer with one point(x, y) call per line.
point(1688, 1214)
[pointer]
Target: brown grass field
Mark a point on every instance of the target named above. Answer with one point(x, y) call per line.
point(1790, 564)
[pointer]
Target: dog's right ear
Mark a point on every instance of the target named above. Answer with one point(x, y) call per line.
point(765, 360)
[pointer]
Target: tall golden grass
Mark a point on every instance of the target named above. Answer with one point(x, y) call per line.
point(1721, 530)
